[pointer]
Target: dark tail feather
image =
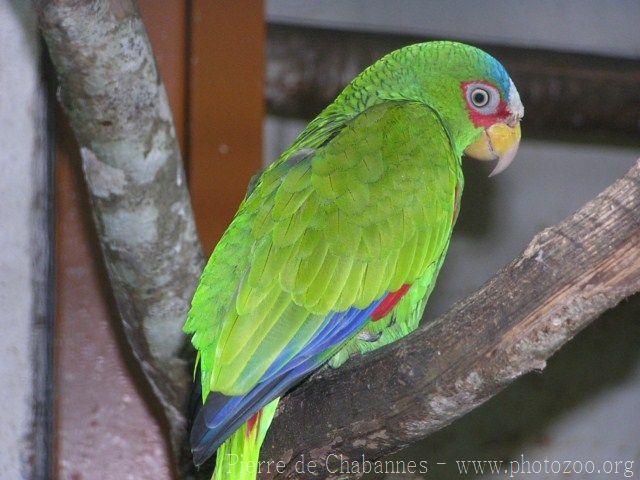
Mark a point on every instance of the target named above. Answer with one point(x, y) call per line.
point(222, 415)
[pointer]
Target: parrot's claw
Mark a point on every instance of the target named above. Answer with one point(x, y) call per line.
point(369, 337)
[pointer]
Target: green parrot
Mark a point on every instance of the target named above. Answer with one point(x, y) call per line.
point(337, 246)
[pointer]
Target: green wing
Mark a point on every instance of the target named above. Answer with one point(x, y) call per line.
point(323, 230)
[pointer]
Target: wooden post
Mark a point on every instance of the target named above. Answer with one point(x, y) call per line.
point(226, 109)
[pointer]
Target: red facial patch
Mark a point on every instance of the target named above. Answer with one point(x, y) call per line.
point(477, 116)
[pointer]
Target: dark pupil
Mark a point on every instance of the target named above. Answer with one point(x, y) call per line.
point(479, 98)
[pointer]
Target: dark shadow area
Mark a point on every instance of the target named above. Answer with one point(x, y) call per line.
point(477, 208)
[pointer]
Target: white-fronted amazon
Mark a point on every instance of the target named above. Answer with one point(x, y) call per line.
point(337, 247)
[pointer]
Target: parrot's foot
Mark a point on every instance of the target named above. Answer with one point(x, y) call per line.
point(369, 337)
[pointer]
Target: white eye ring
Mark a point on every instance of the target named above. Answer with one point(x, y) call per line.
point(479, 97)
point(483, 98)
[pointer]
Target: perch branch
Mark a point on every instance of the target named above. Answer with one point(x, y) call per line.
point(118, 108)
point(377, 404)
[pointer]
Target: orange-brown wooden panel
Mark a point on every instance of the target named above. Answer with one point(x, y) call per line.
point(226, 108)
point(104, 427)
point(166, 23)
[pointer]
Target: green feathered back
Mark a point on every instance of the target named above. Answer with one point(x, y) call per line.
point(367, 209)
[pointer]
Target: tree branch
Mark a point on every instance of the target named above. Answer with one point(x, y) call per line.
point(379, 403)
point(118, 108)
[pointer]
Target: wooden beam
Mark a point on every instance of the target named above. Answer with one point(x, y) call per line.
point(226, 109)
point(566, 95)
point(26, 287)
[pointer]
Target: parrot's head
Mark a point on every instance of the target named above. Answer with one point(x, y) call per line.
point(476, 99)
point(495, 115)
point(468, 88)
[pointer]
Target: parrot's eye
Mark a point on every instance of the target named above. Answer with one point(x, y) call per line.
point(482, 97)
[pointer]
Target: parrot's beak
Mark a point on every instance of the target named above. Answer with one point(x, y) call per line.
point(498, 142)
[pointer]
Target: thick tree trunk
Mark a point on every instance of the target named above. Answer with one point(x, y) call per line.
point(377, 404)
point(118, 108)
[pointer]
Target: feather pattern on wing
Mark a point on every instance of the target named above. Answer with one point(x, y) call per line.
point(327, 233)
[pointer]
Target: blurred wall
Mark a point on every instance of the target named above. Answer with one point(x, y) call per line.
point(608, 27)
point(23, 248)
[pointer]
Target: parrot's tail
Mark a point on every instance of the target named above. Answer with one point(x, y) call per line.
point(237, 458)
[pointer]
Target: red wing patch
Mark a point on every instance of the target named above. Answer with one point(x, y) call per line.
point(252, 422)
point(389, 302)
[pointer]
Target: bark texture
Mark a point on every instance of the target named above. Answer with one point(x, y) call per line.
point(118, 108)
point(377, 404)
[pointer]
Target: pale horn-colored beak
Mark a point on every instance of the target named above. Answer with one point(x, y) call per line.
point(498, 142)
